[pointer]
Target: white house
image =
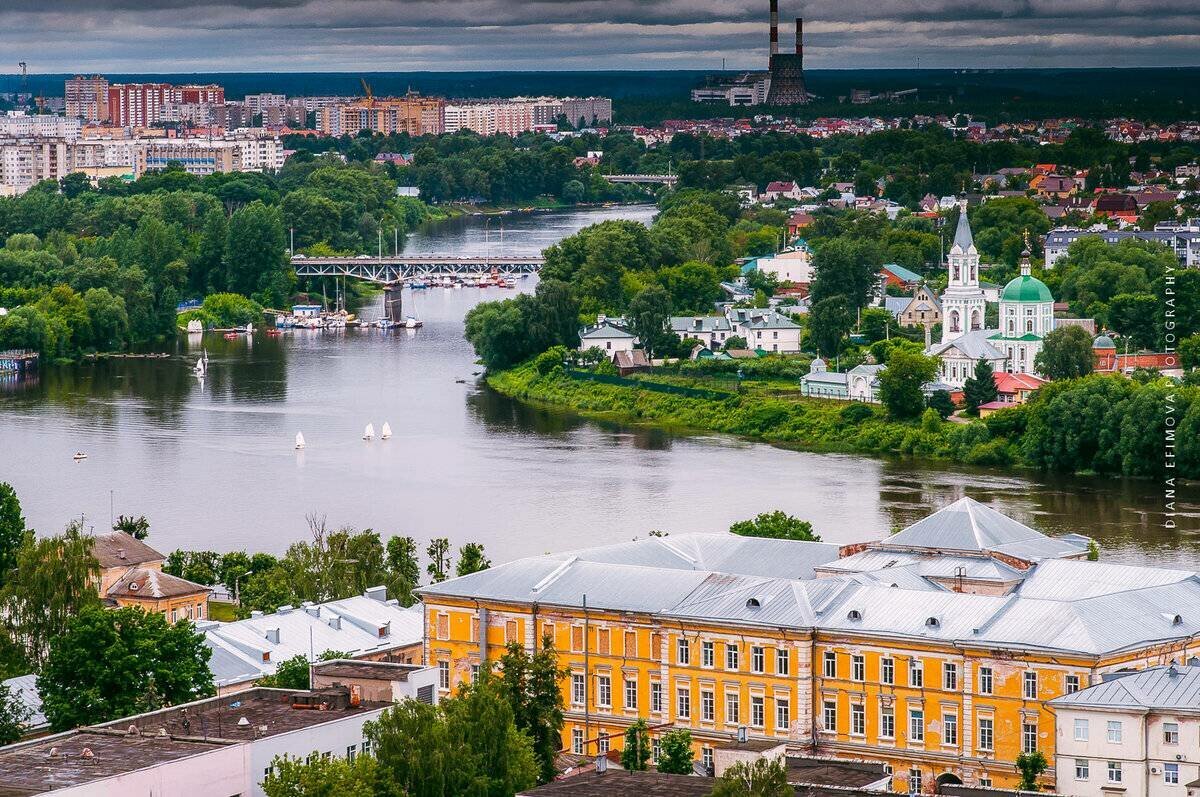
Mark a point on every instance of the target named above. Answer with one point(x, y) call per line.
point(766, 329)
point(711, 330)
point(794, 265)
point(781, 189)
point(1135, 734)
point(609, 335)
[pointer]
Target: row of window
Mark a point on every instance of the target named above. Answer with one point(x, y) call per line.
point(1083, 771)
point(683, 706)
point(733, 656)
point(1114, 731)
point(950, 677)
point(602, 745)
point(985, 739)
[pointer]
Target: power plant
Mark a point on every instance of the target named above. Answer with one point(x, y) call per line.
point(781, 84)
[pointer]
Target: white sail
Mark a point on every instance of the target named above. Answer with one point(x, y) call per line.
point(386, 432)
point(369, 432)
point(299, 440)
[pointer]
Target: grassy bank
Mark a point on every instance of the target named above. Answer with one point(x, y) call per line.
point(771, 411)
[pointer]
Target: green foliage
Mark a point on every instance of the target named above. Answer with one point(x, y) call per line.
point(14, 715)
point(438, 552)
point(323, 777)
point(856, 413)
point(940, 402)
point(1000, 225)
point(735, 342)
point(675, 752)
point(1031, 765)
point(980, 387)
point(402, 561)
point(829, 321)
point(777, 525)
point(1189, 352)
point(1066, 354)
point(290, 673)
point(470, 745)
point(762, 778)
point(509, 331)
point(471, 559)
point(530, 684)
point(148, 663)
point(12, 530)
point(635, 755)
point(848, 267)
point(136, 527)
point(53, 581)
point(649, 314)
point(900, 384)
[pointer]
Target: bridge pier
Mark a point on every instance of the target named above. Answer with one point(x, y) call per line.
point(393, 307)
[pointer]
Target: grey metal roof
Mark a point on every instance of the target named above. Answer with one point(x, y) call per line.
point(962, 233)
point(1073, 580)
point(24, 688)
point(708, 323)
point(967, 525)
point(880, 562)
point(604, 331)
point(974, 344)
point(1170, 687)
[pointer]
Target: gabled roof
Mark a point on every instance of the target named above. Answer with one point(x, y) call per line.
point(605, 330)
point(118, 549)
point(144, 583)
point(901, 273)
point(972, 344)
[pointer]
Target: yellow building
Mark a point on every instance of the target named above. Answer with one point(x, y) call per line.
point(131, 575)
point(934, 650)
point(412, 114)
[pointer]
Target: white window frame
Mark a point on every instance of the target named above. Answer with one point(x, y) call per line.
point(916, 725)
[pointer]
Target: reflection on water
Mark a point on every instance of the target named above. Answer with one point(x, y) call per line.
point(212, 464)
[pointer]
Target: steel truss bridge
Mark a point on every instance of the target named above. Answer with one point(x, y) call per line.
point(390, 270)
point(660, 179)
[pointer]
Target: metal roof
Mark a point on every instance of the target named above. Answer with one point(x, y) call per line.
point(24, 689)
point(967, 525)
point(1072, 580)
point(1170, 687)
point(962, 233)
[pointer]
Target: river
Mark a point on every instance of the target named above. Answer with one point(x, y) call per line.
point(212, 464)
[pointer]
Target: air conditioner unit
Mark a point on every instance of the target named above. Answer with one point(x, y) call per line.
point(1153, 770)
point(1179, 756)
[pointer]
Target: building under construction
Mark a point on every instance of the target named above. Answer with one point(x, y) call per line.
point(782, 84)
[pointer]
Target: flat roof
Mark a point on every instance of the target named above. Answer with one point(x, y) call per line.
point(345, 668)
point(218, 717)
point(31, 769)
point(621, 783)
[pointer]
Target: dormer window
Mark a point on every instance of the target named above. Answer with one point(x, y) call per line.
point(932, 622)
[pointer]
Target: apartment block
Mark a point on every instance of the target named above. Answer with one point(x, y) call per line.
point(410, 114)
point(142, 104)
point(936, 650)
point(86, 98)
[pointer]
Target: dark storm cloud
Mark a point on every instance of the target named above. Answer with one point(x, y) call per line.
point(228, 35)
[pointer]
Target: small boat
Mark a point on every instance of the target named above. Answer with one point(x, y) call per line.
point(386, 432)
point(79, 455)
point(299, 440)
point(231, 336)
point(273, 333)
point(412, 323)
point(369, 432)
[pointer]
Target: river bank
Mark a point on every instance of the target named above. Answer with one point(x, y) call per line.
point(1031, 437)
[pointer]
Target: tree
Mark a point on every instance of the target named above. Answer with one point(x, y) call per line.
point(675, 752)
point(255, 254)
point(1189, 352)
point(776, 525)
point(980, 387)
point(846, 266)
point(941, 403)
point(471, 559)
point(14, 715)
point(1066, 354)
point(828, 322)
point(1030, 765)
point(147, 663)
point(735, 342)
point(322, 777)
point(12, 530)
point(290, 673)
point(54, 580)
point(439, 559)
point(762, 778)
point(530, 683)
point(649, 314)
point(136, 527)
point(901, 383)
point(402, 560)
point(635, 755)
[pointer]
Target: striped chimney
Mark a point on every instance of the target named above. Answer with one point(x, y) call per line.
point(774, 27)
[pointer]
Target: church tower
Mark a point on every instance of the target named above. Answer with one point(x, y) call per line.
point(963, 303)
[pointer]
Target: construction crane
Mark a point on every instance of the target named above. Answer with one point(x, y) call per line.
point(367, 90)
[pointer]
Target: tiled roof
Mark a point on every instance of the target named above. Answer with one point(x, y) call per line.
point(118, 549)
point(145, 583)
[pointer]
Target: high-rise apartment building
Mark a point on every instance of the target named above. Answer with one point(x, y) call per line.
point(412, 114)
point(142, 104)
point(86, 98)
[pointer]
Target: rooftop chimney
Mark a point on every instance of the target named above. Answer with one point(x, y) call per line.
point(774, 27)
point(800, 36)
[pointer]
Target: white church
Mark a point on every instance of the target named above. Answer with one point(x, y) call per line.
point(1026, 316)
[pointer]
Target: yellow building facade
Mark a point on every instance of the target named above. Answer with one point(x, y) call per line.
point(915, 692)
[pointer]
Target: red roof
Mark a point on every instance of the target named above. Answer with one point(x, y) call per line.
point(1011, 383)
point(995, 405)
point(779, 185)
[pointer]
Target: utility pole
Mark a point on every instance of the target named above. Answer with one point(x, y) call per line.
point(587, 679)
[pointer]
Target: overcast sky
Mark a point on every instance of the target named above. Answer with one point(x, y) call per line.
point(404, 35)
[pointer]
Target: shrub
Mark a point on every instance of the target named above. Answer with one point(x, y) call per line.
point(856, 413)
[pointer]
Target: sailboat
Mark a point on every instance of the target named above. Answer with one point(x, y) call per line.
point(369, 432)
point(201, 366)
point(299, 440)
point(386, 432)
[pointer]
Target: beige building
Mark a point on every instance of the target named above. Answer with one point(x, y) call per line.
point(131, 575)
point(86, 98)
point(412, 114)
point(1136, 734)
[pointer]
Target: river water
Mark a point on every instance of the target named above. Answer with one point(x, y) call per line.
point(212, 464)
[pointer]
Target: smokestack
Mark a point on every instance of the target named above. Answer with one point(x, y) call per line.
point(774, 27)
point(800, 36)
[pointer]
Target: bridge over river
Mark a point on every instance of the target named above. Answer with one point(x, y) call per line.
point(393, 270)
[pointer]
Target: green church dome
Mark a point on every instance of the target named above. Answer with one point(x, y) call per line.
point(1026, 288)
